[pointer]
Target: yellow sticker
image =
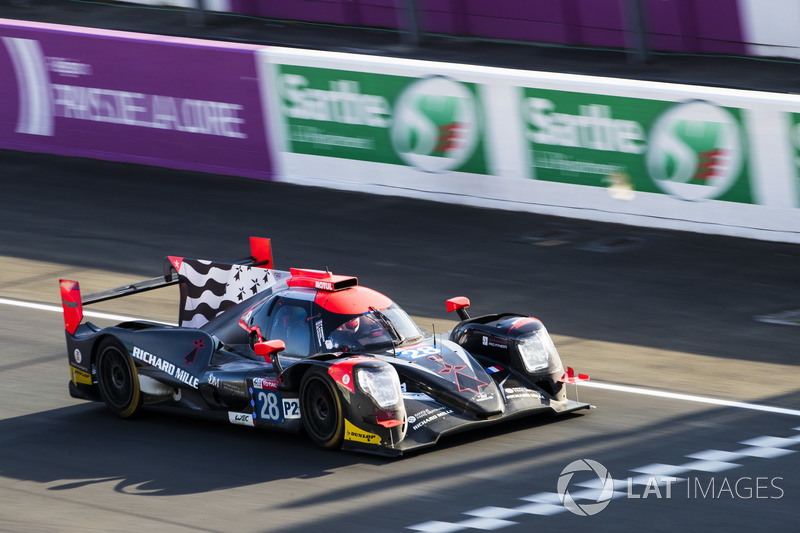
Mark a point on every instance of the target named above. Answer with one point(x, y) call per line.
point(79, 376)
point(352, 432)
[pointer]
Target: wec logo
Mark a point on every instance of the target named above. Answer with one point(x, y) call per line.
point(435, 127)
point(242, 419)
point(695, 151)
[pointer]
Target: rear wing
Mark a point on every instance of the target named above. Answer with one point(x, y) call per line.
point(207, 288)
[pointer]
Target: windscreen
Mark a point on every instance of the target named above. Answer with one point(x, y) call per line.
point(374, 330)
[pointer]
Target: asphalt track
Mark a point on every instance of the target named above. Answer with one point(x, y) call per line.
point(659, 312)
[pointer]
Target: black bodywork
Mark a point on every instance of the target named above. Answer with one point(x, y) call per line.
point(400, 391)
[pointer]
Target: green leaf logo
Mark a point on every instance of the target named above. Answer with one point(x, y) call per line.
point(695, 151)
point(435, 126)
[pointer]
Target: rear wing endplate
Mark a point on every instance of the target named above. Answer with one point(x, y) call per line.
point(72, 301)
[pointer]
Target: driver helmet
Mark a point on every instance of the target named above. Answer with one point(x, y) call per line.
point(353, 325)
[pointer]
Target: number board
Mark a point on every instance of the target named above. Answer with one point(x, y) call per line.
point(272, 407)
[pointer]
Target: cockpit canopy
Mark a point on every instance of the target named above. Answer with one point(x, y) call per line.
point(353, 320)
point(373, 330)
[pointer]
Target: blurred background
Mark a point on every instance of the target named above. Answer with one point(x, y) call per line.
point(690, 338)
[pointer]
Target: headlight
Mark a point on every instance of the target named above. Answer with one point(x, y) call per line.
point(538, 352)
point(381, 384)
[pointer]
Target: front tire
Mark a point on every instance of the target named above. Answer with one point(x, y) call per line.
point(321, 409)
point(117, 380)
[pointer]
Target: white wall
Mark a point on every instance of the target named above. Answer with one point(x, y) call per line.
point(210, 5)
point(771, 27)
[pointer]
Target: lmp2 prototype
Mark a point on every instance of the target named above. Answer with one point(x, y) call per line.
point(307, 350)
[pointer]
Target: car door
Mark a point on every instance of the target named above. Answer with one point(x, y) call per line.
point(290, 321)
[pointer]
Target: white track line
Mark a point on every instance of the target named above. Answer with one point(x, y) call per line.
point(689, 398)
point(591, 384)
point(57, 309)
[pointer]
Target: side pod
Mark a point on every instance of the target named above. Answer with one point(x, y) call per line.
point(71, 302)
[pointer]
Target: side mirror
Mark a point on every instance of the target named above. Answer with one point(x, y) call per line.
point(459, 304)
point(267, 348)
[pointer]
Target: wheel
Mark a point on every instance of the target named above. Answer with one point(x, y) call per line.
point(118, 380)
point(321, 409)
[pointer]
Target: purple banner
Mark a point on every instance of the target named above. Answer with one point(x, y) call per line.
point(694, 26)
point(172, 102)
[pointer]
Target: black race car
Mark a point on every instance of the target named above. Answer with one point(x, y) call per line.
point(310, 350)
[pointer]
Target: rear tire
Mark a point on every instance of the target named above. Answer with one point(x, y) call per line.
point(321, 409)
point(117, 379)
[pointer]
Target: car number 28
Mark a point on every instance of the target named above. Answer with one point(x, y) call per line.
point(270, 406)
point(422, 351)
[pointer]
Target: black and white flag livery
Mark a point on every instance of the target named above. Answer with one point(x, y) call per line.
point(209, 288)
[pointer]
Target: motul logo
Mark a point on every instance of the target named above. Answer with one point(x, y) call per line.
point(324, 285)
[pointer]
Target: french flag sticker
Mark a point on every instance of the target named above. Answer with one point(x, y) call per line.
point(494, 369)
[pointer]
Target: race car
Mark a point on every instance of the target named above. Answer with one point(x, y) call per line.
point(309, 350)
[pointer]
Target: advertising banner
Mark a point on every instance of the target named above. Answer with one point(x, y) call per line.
point(171, 102)
point(794, 136)
point(431, 123)
point(693, 150)
point(625, 151)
